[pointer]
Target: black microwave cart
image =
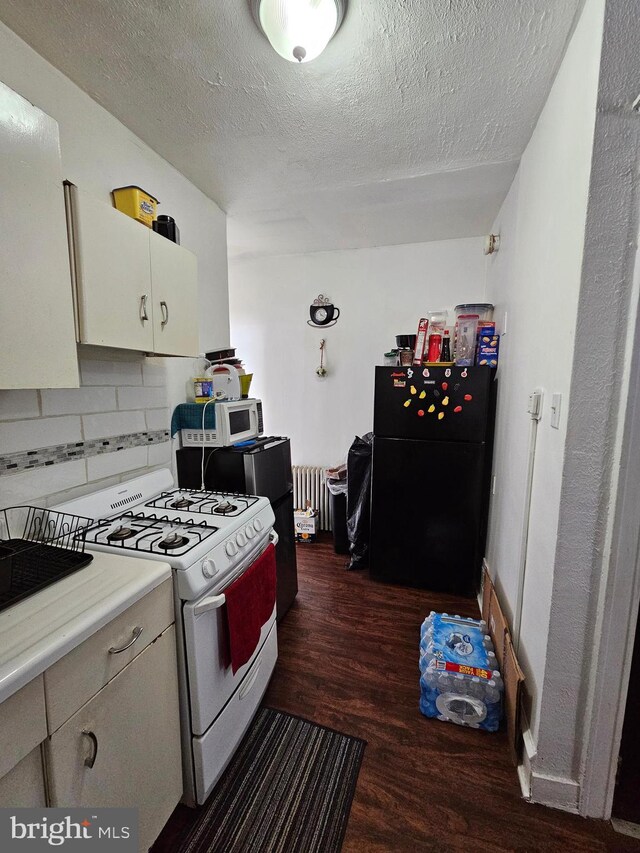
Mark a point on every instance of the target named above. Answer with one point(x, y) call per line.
point(261, 467)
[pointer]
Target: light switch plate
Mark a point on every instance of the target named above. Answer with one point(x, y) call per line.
point(556, 406)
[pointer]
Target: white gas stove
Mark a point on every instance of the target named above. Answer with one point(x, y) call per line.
point(209, 539)
point(205, 536)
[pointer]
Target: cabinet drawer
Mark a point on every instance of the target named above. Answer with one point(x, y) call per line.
point(122, 749)
point(78, 676)
point(23, 724)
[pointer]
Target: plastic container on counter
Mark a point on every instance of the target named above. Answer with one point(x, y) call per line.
point(136, 203)
point(483, 310)
point(480, 311)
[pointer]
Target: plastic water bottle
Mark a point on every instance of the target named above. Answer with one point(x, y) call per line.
point(459, 685)
point(492, 694)
point(487, 643)
point(476, 689)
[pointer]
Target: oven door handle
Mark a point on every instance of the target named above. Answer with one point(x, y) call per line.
point(211, 602)
point(273, 537)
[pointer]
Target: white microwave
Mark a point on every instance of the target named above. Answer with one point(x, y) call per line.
point(236, 420)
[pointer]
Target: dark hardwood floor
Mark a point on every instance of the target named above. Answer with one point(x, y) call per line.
point(348, 659)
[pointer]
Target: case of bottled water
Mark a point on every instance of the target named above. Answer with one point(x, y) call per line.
point(459, 678)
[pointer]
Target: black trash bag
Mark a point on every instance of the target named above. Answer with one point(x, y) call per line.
point(359, 500)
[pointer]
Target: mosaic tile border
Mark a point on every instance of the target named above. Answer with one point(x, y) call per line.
point(26, 460)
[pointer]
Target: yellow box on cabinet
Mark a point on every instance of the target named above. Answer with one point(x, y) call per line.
point(136, 203)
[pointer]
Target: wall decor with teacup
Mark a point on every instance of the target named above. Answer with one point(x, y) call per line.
point(323, 313)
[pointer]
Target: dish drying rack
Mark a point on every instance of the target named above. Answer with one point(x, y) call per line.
point(38, 547)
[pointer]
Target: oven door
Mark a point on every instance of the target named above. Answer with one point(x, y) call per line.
point(213, 751)
point(211, 680)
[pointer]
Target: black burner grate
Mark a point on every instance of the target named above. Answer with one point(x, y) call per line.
point(149, 532)
point(203, 502)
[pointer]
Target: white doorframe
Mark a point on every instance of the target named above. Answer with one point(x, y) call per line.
point(617, 613)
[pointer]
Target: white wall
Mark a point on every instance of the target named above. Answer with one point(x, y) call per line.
point(536, 280)
point(98, 154)
point(583, 658)
point(380, 292)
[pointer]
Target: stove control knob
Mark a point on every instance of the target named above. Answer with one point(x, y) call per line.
point(241, 539)
point(258, 525)
point(209, 568)
point(231, 549)
point(250, 531)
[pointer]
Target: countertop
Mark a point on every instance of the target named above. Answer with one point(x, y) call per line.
point(37, 632)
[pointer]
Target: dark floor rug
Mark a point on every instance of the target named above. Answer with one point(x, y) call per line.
point(288, 789)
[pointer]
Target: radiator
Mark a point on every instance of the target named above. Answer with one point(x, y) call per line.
point(310, 484)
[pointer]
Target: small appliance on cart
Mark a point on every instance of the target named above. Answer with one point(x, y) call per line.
point(261, 467)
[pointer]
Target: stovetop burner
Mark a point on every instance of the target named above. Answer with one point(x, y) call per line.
point(122, 533)
point(225, 508)
point(181, 503)
point(173, 541)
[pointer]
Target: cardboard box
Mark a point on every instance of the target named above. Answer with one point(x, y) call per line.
point(512, 675)
point(513, 685)
point(498, 628)
point(305, 522)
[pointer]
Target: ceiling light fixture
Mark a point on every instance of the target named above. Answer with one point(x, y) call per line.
point(299, 30)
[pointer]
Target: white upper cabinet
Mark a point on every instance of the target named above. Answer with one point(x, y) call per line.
point(37, 342)
point(135, 289)
point(113, 275)
point(174, 283)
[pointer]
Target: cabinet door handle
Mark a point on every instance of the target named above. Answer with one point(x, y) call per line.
point(136, 633)
point(165, 314)
point(143, 307)
point(91, 760)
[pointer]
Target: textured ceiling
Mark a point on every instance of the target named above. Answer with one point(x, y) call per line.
point(323, 154)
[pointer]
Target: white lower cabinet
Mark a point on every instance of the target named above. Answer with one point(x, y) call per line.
point(122, 748)
point(23, 786)
point(23, 726)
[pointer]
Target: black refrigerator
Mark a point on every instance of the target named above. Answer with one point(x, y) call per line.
point(261, 468)
point(431, 471)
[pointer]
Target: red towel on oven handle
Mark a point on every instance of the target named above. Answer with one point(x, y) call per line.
point(250, 602)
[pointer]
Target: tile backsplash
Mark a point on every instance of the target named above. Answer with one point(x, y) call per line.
point(58, 444)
